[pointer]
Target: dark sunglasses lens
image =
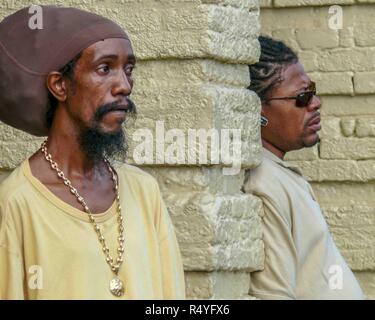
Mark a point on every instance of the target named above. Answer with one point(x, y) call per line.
point(303, 99)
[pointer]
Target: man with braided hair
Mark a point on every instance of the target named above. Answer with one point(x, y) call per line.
point(301, 259)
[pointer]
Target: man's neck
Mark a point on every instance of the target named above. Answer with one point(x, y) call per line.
point(270, 147)
point(66, 151)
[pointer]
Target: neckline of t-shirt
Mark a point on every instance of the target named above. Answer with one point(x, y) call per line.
point(67, 208)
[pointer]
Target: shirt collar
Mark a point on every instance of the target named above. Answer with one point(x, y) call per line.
point(269, 155)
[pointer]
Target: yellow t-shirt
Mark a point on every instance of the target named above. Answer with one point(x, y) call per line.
point(301, 259)
point(49, 249)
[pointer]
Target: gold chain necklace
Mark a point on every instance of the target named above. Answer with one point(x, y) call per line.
point(116, 286)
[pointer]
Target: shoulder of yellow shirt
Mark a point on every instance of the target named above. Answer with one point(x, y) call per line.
point(137, 175)
point(13, 186)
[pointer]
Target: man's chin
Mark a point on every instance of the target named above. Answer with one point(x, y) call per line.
point(311, 140)
point(112, 129)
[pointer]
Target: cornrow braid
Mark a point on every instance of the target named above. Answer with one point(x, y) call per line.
point(265, 74)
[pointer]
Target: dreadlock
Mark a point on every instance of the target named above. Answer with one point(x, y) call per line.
point(67, 71)
point(266, 74)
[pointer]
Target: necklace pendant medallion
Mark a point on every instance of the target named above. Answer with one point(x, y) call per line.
point(117, 288)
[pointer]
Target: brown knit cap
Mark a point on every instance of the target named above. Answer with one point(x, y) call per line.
point(27, 56)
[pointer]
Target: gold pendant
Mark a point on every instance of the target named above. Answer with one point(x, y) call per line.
point(116, 286)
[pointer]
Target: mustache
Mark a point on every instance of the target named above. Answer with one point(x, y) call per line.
point(130, 108)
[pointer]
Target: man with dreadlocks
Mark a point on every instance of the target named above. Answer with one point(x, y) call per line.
point(74, 224)
point(301, 259)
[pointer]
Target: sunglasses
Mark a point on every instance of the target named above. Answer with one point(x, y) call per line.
point(303, 99)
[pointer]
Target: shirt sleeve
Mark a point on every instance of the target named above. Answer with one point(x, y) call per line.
point(11, 266)
point(278, 279)
point(170, 256)
point(11, 276)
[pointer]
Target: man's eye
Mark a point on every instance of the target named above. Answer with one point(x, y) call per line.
point(129, 70)
point(103, 69)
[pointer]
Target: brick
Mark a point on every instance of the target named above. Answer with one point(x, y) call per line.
point(265, 3)
point(190, 72)
point(338, 193)
point(333, 82)
point(293, 18)
point(348, 127)
point(365, 127)
point(347, 106)
point(338, 170)
point(348, 148)
point(217, 285)
point(175, 29)
point(364, 82)
point(313, 39)
point(267, 32)
point(308, 60)
point(298, 3)
point(364, 34)
point(353, 229)
point(288, 36)
point(177, 19)
point(348, 59)
point(330, 128)
point(234, 43)
point(246, 4)
point(354, 217)
point(185, 179)
point(346, 36)
point(360, 259)
point(354, 239)
point(303, 154)
point(211, 38)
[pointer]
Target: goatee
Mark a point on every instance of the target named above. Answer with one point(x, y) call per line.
point(97, 144)
point(112, 145)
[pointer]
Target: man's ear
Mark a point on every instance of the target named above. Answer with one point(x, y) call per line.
point(57, 85)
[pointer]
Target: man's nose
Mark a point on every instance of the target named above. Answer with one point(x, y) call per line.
point(123, 85)
point(315, 104)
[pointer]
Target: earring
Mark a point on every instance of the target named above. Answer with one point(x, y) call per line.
point(263, 121)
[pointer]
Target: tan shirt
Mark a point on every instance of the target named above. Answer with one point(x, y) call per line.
point(301, 259)
point(49, 249)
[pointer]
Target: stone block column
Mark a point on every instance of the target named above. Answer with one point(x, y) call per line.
point(192, 76)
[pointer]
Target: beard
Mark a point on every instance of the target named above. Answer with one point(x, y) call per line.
point(98, 144)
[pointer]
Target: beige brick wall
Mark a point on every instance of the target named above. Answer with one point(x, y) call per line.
point(192, 73)
point(342, 168)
